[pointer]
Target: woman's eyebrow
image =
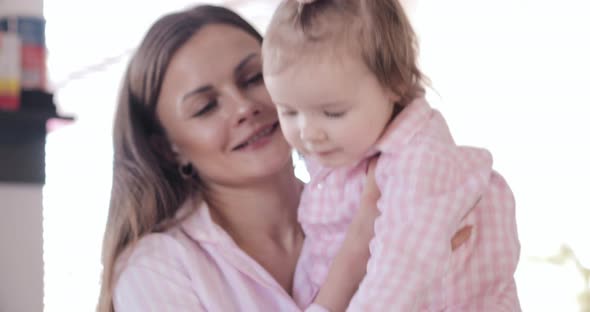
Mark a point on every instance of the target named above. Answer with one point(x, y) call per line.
point(244, 62)
point(198, 90)
point(207, 88)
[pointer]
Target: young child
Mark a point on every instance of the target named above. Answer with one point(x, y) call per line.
point(344, 77)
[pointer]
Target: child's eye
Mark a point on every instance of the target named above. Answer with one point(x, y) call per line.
point(334, 114)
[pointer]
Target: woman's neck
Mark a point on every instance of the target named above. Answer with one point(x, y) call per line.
point(262, 220)
point(259, 211)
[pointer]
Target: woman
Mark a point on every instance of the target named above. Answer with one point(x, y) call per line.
point(204, 197)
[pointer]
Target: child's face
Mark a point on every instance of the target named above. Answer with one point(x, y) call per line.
point(333, 110)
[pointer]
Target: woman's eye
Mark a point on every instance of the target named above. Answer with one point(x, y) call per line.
point(207, 108)
point(334, 114)
point(289, 113)
point(254, 80)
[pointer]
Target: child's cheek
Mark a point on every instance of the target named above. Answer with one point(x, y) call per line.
point(292, 135)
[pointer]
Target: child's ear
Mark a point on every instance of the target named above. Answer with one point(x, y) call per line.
point(397, 93)
point(394, 96)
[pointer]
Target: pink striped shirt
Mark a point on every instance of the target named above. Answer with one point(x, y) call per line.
point(430, 188)
point(195, 266)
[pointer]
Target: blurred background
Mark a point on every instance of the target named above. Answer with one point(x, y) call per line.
point(509, 75)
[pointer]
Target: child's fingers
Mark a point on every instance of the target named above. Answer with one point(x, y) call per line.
point(371, 190)
point(371, 165)
point(461, 237)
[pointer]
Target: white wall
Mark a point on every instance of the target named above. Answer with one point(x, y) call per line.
point(512, 76)
point(21, 248)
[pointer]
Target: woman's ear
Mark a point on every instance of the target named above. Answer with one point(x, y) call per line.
point(178, 155)
point(165, 149)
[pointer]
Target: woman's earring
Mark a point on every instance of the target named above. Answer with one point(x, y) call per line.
point(186, 171)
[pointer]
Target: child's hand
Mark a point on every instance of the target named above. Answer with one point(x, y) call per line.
point(361, 230)
point(369, 199)
point(349, 265)
point(371, 192)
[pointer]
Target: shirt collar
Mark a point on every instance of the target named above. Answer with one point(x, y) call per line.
point(404, 126)
point(198, 223)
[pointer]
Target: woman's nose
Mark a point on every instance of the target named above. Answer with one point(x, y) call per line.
point(245, 108)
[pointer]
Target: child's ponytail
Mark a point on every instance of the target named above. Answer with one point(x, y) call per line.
point(390, 47)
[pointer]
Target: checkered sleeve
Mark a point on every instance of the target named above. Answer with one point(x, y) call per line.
point(426, 190)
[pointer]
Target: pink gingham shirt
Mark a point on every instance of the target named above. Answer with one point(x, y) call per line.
point(430, 188)
point(195, 266)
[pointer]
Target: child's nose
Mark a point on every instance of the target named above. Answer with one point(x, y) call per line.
point(311, 133)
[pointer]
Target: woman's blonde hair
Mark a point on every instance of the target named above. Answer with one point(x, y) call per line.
point(378, 31)
point(147, 188)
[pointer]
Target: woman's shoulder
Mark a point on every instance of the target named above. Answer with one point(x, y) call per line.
point(164, 249)
point(156, 267)
point(177, 247)
point(172, 242)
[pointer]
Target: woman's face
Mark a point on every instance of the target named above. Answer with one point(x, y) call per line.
point(216, 111)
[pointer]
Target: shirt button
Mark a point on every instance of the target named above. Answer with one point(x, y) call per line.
point(319, 186)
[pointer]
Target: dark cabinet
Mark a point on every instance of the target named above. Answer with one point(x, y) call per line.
point(22, 138)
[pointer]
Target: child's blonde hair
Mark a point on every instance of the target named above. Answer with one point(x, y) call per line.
point(378, 31)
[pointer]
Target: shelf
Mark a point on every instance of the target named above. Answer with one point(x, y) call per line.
point(8, 116)
point(22, 138)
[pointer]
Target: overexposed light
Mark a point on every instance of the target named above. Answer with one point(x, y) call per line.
point(508, 75)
